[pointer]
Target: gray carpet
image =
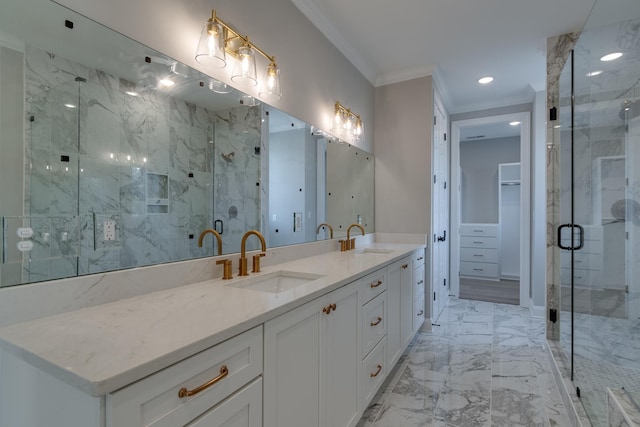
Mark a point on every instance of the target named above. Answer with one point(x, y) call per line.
point(503, 291)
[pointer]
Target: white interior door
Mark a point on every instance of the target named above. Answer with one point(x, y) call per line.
point(440, 211)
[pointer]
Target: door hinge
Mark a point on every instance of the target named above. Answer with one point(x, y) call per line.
point(434, 120)
point(434, 296)
point(445, 283)
point(626, 235)
point(434, 238)
point(578, 391)
point(553, 114)
point(445, 185)
point(445, 136)
point(434, 179)
point(553, 315)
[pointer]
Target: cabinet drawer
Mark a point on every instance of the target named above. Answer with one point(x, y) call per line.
point(242, 409)
point(478, 255)
point(372, 285)
point(488, 230)
point(478, 269)
point(418, 282)
point(478, 242)
point(418, 258)
point(372, 373)
point(418, 314)
point(374, 322)
point(154, 400)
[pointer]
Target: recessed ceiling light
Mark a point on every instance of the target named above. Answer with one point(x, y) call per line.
point(166, 83)
point(485, 80)
point(594, 73)
point(514, 123)
point(611, 56)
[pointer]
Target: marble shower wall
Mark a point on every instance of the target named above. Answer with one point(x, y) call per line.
point(150, 163)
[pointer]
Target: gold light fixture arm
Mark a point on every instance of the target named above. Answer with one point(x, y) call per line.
point(236, 35)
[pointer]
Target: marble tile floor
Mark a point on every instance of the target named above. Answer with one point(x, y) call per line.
point(485, 365)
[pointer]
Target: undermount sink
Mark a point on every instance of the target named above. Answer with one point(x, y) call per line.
point(379, 251)
point(276, 282)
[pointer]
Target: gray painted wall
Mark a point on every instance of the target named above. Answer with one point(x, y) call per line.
point(403, 135)
point(479, 165)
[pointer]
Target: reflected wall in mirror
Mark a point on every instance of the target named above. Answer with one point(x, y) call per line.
point(114, 156)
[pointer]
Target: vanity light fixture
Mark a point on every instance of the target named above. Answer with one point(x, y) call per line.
point(611, 56)
point(346, 124)
point(218, 39)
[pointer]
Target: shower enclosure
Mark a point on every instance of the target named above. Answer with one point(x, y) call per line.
point(599, 231)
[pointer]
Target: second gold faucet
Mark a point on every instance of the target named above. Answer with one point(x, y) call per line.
point(350, 243)
point(256, 258)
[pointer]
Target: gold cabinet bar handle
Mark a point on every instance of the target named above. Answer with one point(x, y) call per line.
point(327, 309)
point(224, 371)
point(421, 313)
point(377, 322)
point(405, 265)
point(375, 285)
point(420, 258)
point(375, 374)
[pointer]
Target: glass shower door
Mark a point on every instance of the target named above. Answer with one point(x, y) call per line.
point(599, 235)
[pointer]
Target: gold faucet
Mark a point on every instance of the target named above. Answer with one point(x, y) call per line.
point(243, 257)
point(328, 226)
point(351, 243)
point(215, 233)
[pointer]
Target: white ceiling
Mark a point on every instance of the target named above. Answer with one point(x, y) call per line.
point(458, 41)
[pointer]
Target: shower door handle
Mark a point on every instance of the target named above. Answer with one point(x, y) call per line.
point(580, 237)
point(215, 226)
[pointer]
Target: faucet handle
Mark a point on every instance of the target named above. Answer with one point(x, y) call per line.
point(343, 245)
point(256, 262)
point(226, 268)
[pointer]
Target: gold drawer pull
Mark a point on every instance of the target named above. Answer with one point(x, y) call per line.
point(327, 309)
point(405, 265)
point(420, 282)
point(375, 285)
point(377, 322)
point(375, 374)
point(224, 371)
point(421, 313)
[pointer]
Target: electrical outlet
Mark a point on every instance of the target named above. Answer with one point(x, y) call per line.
point(109, 230)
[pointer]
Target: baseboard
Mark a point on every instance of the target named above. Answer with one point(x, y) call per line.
point(537, 311)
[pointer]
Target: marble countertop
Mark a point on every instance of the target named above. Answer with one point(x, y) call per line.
point(106, 347)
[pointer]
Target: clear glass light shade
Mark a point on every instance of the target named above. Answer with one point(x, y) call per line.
point(244, 70)
point(210, 51)
point(219, 87)
point(270, 90)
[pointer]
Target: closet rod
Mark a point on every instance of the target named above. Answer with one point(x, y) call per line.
point(509, 183)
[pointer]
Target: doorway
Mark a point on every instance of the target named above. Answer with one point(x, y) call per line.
point(490, 249)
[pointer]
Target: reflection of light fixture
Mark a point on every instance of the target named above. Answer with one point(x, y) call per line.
point(346, 124)
point(594, 73)
point(219, 87)
point(69, 105)
point(514, 123)
point(249, 101)
point(166, 83)
point(218, 38)
point(485, 80)
point(611, 56)
point(132, 93)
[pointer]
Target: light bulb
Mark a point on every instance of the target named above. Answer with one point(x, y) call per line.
point(210, 50)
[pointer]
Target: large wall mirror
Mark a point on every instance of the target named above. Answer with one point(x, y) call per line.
point(114, 156)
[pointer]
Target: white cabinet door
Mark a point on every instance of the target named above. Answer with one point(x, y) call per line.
point(406, 303)
point(340, 358)
point(292, 347)
point(311, 363)
point(242, 409)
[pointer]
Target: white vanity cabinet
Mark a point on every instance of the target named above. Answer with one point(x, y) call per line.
point(179, 395)
point(311, 363)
